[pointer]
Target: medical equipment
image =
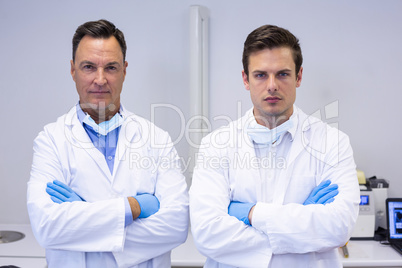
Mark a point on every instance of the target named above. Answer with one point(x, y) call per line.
point(380, 191)
point(364, 227)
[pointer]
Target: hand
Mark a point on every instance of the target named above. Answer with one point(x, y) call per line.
point(322, 194)
point(240, 211)
point(149, 204)
point(59, 192)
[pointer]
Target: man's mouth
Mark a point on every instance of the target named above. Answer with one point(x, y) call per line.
point(272, 99)
point(99, 92)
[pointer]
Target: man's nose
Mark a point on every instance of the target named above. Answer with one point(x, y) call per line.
point(100, 78)
point(272, 84)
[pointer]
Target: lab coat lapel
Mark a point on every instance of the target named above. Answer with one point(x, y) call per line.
point(127, 134)
point(298, 144)
point(246, 153)
point(80, 139)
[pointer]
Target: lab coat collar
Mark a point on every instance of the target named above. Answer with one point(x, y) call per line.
point(298, 144)
point(295, 118)
point(78, 137)
point(73, 118)
point(249, 120)
point(81, 113)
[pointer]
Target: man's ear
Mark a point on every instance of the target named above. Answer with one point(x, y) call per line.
point(72, 71)
point(299, 77)
point(245, 80)
point(125, 68)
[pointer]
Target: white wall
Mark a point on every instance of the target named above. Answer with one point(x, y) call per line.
point(351, 49)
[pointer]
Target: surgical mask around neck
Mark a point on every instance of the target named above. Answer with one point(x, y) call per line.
point(105, 127)
point(263, 135)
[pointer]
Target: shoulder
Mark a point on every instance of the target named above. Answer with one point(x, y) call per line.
point(144, 125)
point(59, 124)
point(320, 134)
point(147, 130)
point(224, 133)
point(53, 134)
point(227, 137)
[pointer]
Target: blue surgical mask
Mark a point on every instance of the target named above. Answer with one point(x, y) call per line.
point(105, 127)
point(263, 135)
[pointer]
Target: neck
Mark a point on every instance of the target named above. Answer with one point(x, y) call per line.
point(100, 115)
point(270, 121)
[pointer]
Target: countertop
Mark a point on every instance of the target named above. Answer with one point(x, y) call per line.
point(366, 253)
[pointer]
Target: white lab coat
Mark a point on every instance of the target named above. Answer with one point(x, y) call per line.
point(145, 162)
point(284, 233)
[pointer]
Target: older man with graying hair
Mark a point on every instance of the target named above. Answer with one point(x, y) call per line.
point(88, 205)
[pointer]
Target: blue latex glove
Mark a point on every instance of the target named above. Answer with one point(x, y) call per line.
point(322, 194)
point(240, 211)
point(59, 192)
point(149, 204)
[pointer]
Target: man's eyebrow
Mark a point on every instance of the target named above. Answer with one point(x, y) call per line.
point(112, 63)
point(280, 71)
point(285, 71)
point(87, 62)
point(258, 71)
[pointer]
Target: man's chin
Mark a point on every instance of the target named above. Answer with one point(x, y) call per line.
point(100, 106)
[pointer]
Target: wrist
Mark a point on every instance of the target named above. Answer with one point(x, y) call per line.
point(135, 207)
point(250, 214)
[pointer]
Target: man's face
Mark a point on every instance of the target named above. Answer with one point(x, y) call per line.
point(99, 72)
point(272, 82)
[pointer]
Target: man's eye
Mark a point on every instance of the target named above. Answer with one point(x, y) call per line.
point(87, 67)
point(111, 68)
point(283, 74)
point(260, 75)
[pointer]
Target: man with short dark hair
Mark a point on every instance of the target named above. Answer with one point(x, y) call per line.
point(276, 188)
point(106, 187)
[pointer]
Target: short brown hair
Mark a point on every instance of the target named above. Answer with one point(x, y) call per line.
point(102, 29)
point(271, 36)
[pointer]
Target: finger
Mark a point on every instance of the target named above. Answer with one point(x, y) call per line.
point(59, 189)
point(81, 199)
point(329, 201)
point(322, 185)
point(56, 200)
point(328, 189)
point(64, 186)
point(327, 196)
point(56, 194)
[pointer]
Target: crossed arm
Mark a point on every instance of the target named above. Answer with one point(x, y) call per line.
point(323, 194)
point(141, 206)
